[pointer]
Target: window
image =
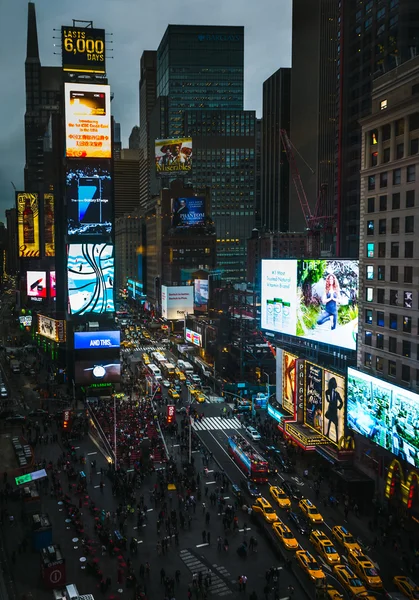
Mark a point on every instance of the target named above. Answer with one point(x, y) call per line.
point(394, 273)
point(371, 182)
point(380, 318)
point(406, 373)
point(394, 297)
point(395, 204)
point(406, 348)
point(408, 274)
point(414, 146)
point(397, 177)
point(368, 338)
point(414, 121)
point(409, 224)
point(370, 250)
point(392, 345)
point(400, 127)
point(379, 342)
point(370, 227)
point(374, 137)
point(411, 173)
point(391, 368)
point(383, 103)
point(382, 226)
point(379, 363)
point(381, 273)
point(410, 198)
point(393, 321)
point(386, 132)
point(380, 295)
point(383, 179)
point(370, 272)
point(394, 250)
point(381, 249)
point(367, 360)
point(386, 156)
point(368, 316)
point(383, 202)
point(369, 294)
point(374, 159)
point(371, 205)
point(407, 324)
point(399, 150)
point(408, 299)
point(408, 249)
point(395, 225)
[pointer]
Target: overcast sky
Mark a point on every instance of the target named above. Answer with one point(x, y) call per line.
point(136, 25)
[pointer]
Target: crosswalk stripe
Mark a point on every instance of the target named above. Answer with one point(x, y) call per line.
point(213, 423)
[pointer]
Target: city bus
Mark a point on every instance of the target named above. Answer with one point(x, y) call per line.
point(249, 461)
point(168, 369)
point(154, 371)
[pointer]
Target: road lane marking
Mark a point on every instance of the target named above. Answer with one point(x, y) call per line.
point(91, 453)
point(210, 482)
point(201, 545)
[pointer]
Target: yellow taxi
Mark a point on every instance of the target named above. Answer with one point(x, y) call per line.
point(310, 565)
point(331, 593)
point(146, 359)
point(324, 547)
point(350, 581)
point(146, 335)
point(173, 394)
point(199, 397)
point(310, 511)
point(366, 570)
point(193, 391)
point(180, 375)
point(285, 535)
point(346, 539)
point(279, 496)
point(262, 506)
point(407, 587)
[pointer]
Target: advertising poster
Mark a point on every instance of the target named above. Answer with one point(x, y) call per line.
point(83, 50)
point(95, 340)
point(313, 398)
point(201, 294)
point(279, 301)
point(36, 284)
point(52, 285)
point(88, 120)
point(333, 406)
point(51, 328)
point(90, 278)
point(89, 195)
point(27, 208)
point(384, 413)
point(87, 372)
point(173, 157)
point(176, 301)
point(188, 212)
point(49, 225)
point(288, 381)
point(193, 337)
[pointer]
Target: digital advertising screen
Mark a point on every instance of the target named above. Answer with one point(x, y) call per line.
point(201, 294)
point(92, 340)
point(193, 337)
point(314, 396)
point(49, 225)
point(188, 212)
point(384, 413)
point(288, 381)
point(176, 301)
point(89, 195)
point(173, 157)
point(87, 372)
point(36, 284)
point(52, 329)
point(83, 50)
point(312, 299)
point(88, 120)
point(90, 278)
point(27, 208)
point(52, 285)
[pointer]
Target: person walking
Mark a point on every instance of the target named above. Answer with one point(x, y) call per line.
point(204, 537)
point(244, 582)
point(162, 575)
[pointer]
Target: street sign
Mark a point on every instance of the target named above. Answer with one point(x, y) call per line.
point(55, 576)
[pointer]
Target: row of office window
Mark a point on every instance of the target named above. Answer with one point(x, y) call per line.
point(396, 297)
point(382, 179)
point(379, 250)
point(394, 273)
point(383, 205)
point(395, 322)
point(409, 226)
point(378, 362)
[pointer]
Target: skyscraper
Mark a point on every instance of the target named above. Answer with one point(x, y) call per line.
point(148, 86)
point(126, 182)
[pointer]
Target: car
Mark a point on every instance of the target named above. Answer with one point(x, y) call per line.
point(406, 586)
point(331, 593)
point(15, 419)
point(250, 488)
point(181, 410)
point(38, 412)
point(310, 565)
point(253, 433)
point(200, 397)
point(285, 535)
point(3, 392)
point(236, 491)
point(173, 394)
point(280, 496)
point(291, 490)
point(284, 463)
point(300, 522)
point(310, 511)
point(345, 539)
point(166, 383)
point(350, 581)
point(324, 547)
point(272, 467)
point(365, 569)
point(263, 507)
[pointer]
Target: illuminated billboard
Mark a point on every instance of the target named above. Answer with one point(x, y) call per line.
point(27, 208)
point(201, 294)
point(36, 284)
point(49, 225)
point(88, 340)
point(384, 413)
point(176, 301)
point(83, 50)
point(52, 329)
point(52, 285)
point(288, 381)
point(173, 157)
point(188, 212)
point(325, 402)
point(87, 120)
point(89, 194)
point(312, 299)
point(90, 278)
point(88, 372)
point(193, 337)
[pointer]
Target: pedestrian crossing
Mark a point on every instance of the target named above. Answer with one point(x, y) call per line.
point(148, 349)
point(208, 423)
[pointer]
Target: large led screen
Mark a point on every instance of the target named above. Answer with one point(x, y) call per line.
point(384, 413)
point(312, 299)
point(176, 301)
point(89, 194)
point(188, 212)
point(94, 340)
point(87, 372)
point(201, 294)
point(49, 225)
point(83, 50)
point(288, 381)
point(88, 120)
point(52, 329)
point(27, 206)
point(52, 285)
point(36, 284)
point(174, 156)
point(90, 278)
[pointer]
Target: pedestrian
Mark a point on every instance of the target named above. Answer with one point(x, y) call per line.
point(291, 591)
point(147, 569)
point(244, 582)
point(162, 575)
point(240, 580)
point(177, 576)
point(204, 536)
point(207, 518)
point(219, 542)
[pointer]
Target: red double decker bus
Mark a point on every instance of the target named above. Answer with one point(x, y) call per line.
point(249, 461)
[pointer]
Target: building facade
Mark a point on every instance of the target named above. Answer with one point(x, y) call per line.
point(12, 263)
point(126, 182)
point(389, 250)
point(148, 94)
point(127, 248)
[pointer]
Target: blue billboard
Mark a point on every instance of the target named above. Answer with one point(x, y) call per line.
point(87, 340)
point(188, 212)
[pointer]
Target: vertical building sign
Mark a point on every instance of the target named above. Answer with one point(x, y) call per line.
point(300, 389)
point(28, 224)
point(49, 225)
